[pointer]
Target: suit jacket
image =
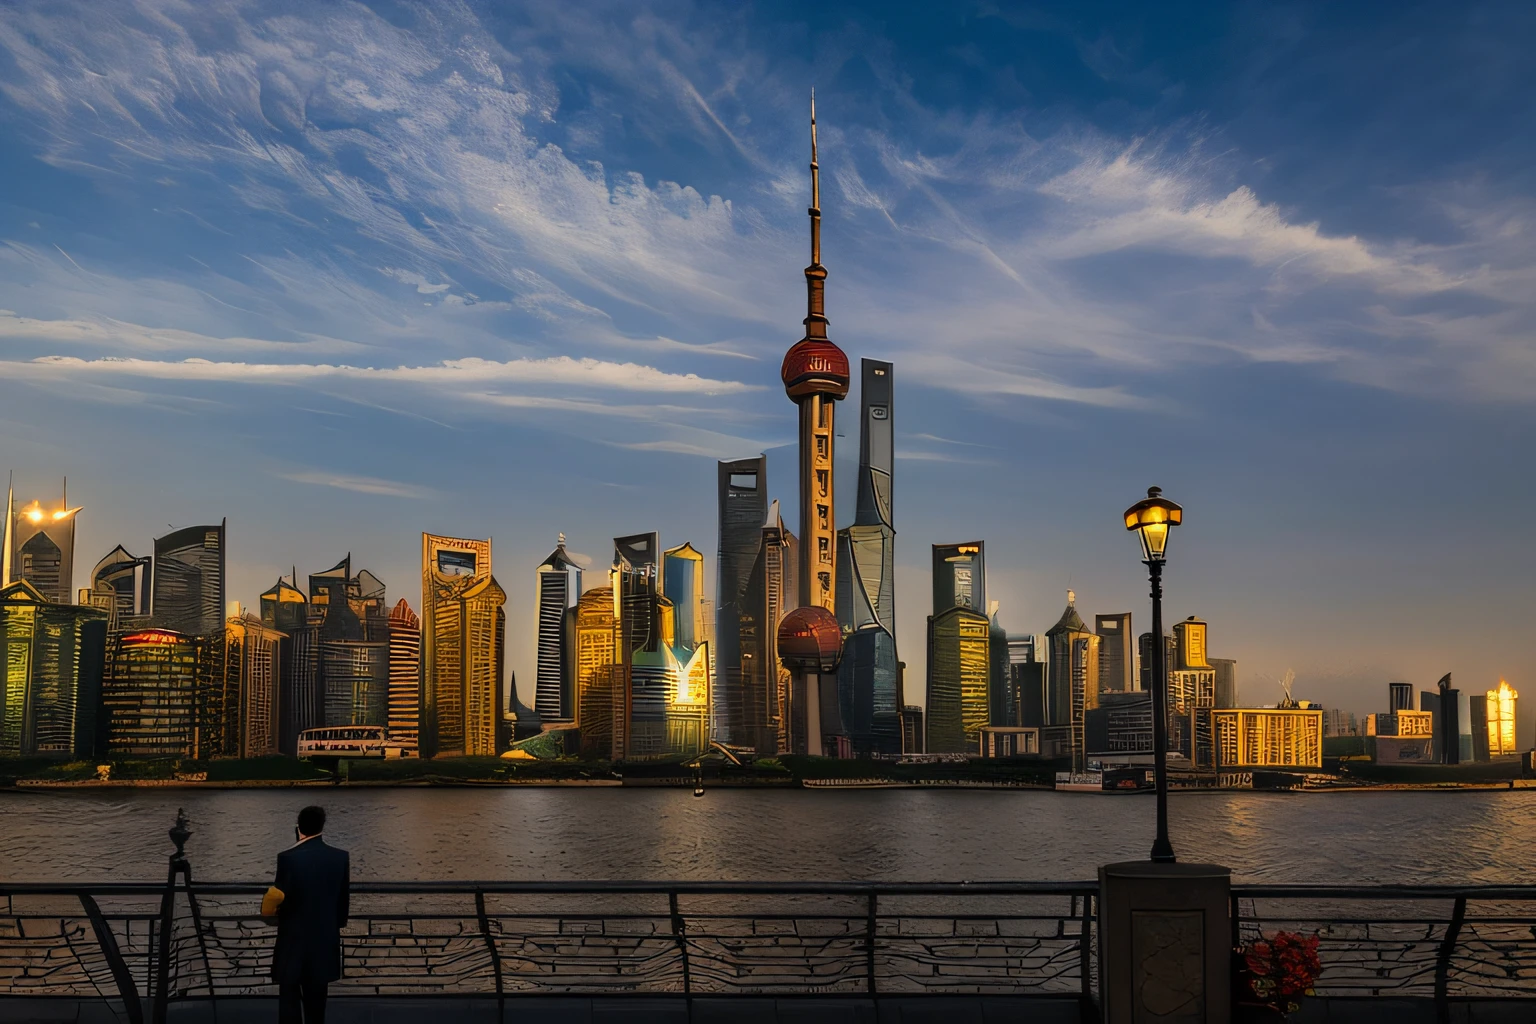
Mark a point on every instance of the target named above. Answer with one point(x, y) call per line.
point(316, 883)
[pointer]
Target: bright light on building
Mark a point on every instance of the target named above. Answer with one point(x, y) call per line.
point(1501, 720)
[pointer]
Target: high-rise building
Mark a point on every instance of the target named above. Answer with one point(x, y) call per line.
point(1477, 717)
point(252, 677)
point(39, 547)
point(683, 584)
point(1400, 696)
point(556, 591)
point(597, 672)
point(1226, 682)
point(1118, 654)
point(1247, 738)
point(1074, 678)
point(153, 693)
point(1119, 730)
point(764, 707)
point(348, 613)
point(52, 666)
point(913, 736)
point(960, 576)
point(300, 699)
point(1502, 705)
point(123, 581)
point(1191, 690)
point(959, 671)
point(461, 645)
point(1001, 699)
point(188, 586)
point(868, 679)
point(1444, 703)
point(404, 676)
point(815, 376)
point(743, 507)
point(1144, 656)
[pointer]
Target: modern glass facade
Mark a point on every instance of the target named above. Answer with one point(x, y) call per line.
point(869, 681)
point(53, 664)
point(743, 508)
point(300, 702)
point(959, 669)
point(1073, 679)
point(404, 675)
point(596, 671)
point(960, 577)
point(151, 694)
point(39, 547)
point(188, 586)
point(556, 592)
point(461, 645)
point(125, 581)
point(682, 581)
point(355, 675)
point(1118, 656)
point(252, 673)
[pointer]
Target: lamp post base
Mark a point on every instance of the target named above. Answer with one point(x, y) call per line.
point(1165, 938)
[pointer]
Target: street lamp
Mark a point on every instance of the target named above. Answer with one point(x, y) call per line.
point(1152, 518)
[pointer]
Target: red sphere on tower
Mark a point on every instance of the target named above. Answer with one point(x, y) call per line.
point(815, 366)
point(810, 640)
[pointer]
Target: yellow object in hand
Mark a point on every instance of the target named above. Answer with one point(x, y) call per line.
point(271, 901)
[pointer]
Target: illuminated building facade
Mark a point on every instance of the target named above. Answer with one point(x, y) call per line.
point(1073, 675)
point(959, 669)
point(1401, 735)
point(461, 647)
point(404, 675)
point(156, 681)
point(53, 657)
point(764, 709)
point(39, 547)
point(120, 585)
point(300, 699)
point(743, 508)
point(960, 576)
point(1501, 705)
point(1191, 692)
point(682, 581)
point(557, 589)
point(1118, 656)
point(1248, 738)
point(251, 671)
point(815, 376)
point(188, 585)
point(597, 671)
point(869, 684)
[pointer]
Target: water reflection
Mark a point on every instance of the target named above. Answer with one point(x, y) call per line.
point(892, 835)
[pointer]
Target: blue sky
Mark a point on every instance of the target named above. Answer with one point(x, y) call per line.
point(346, 272)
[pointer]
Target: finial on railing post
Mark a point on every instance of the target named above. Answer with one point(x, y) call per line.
point(179, 834)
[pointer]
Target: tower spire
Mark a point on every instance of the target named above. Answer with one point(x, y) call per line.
point(815, 274)
point(10, 526)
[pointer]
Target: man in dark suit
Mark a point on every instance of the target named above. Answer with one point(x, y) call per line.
point(315, 881)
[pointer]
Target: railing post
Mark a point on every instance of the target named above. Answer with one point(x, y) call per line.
point(1443, 959)
point(126, 987)
point(869, 945)
point(1085, 960)
point(490, 944)
point(680, 932)
point(179, 835)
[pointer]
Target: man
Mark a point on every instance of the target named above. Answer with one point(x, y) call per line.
point(312, 895)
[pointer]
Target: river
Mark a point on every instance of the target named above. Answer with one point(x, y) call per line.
point(559, 833)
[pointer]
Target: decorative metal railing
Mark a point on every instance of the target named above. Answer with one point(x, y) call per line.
point(127, 943)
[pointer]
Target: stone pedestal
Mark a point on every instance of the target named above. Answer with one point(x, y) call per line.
point(1165, 939)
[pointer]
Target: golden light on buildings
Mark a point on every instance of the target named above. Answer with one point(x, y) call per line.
point(34, 513)
point(1152, 518)
point(1502, 705)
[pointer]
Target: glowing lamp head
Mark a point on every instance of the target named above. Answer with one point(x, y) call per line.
point(35, 514)
point(810, 640)
point(815, 366)
point(1152, 518)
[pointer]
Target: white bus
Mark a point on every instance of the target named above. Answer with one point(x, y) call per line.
point(342, 741)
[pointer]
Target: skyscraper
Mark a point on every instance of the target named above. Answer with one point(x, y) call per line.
point(252, 675)
point(960, 576)
point(1074, 678)
point(743, 507)
point(959, 670)
point(125, 581)
point(557, 589)
point(771, 589)
point(1118, 655)
point(404, 675)
point(868, 679)
point(1400, 696)
point(300, 700)
point(1226, 682)
point(52, 673)
point(348, 612)
point(1502, 704)
point(596, 671)
point(188, 589)
point(152, 693)
point(815, 376)
point(40, 548)
point(683, 584)
point(1191, 693)
point(460, 647)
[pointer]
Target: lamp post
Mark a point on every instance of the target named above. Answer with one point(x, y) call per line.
point(1152, 518)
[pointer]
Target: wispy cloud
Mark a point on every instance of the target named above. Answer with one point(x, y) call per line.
point(357, 484)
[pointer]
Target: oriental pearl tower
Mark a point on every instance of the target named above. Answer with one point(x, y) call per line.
point(815, 374)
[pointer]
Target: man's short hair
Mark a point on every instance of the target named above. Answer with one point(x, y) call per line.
point(312, 820)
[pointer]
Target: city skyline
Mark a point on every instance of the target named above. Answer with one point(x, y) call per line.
point(1009, 251)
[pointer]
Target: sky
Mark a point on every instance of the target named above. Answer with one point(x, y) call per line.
point(342, 273)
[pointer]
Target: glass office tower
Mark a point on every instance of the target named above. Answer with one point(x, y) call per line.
point(52, 668)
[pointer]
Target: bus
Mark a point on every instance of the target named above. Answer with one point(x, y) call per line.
point(342, 741)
